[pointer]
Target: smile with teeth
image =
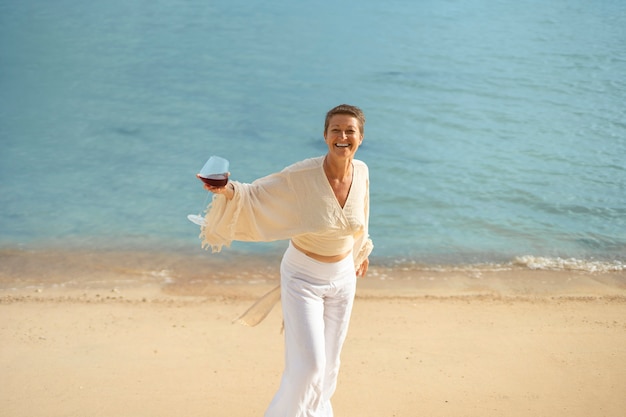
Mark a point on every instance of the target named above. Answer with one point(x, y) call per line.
point(342, 145)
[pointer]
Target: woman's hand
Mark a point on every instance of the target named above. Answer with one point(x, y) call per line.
point(363, 268)
point(227, 191)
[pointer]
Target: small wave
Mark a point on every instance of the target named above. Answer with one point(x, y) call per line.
point(570, 264)
point(537, 263)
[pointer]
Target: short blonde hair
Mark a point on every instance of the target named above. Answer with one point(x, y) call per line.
point(349, 110)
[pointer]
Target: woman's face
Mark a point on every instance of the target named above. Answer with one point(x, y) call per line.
point(343, 136)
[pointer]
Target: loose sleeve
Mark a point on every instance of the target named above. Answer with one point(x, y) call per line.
point(263, 211)
point(363, 245)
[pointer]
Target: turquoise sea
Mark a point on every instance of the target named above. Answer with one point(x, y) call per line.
point(496, 130)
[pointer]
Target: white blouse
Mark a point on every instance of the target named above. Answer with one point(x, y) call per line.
point(297, 203)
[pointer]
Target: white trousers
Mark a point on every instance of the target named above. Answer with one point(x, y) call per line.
point(317, 300)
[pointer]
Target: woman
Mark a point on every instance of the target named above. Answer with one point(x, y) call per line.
point(322, 205)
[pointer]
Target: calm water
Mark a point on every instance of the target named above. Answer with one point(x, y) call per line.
point(496, 129)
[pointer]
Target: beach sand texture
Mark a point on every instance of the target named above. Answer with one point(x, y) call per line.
point(422, 343)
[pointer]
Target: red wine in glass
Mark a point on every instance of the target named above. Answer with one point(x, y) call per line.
point(215, 180)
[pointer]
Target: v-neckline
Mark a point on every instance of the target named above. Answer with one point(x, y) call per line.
point(332, 191)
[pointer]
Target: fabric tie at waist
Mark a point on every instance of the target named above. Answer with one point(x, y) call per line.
point(260, 309)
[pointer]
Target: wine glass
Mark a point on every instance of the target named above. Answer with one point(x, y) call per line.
point(199, 218)
point(214, 173)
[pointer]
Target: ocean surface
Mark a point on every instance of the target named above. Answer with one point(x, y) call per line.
point(496, 130)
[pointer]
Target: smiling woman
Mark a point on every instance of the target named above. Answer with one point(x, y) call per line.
point(343, 136)
point(322, 205)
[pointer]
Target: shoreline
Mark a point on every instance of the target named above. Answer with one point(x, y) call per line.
point(39, 274)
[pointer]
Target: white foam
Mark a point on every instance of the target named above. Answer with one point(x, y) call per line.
point(569, 264)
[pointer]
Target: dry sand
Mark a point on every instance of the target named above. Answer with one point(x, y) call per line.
point(430, 343)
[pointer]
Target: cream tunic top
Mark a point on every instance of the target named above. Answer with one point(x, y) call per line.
point(296, 203)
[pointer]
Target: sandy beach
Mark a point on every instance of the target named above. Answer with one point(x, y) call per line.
point(110, 340)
